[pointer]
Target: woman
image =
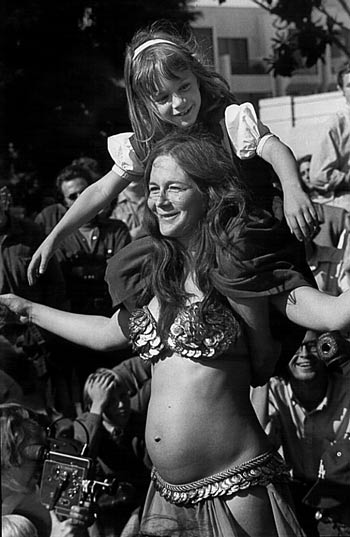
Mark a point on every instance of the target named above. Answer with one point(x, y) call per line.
point(214, 471)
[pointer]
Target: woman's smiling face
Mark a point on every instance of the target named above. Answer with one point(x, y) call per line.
point(174, 199)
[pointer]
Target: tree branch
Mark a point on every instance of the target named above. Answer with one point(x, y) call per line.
point(324, 11)
point(260, 4)
point(345, 6)
point(341, 46)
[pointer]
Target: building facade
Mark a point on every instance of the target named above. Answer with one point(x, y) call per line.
point(237, 36)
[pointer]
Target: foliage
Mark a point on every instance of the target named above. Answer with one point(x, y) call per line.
point(60, 71)
point(304, 28)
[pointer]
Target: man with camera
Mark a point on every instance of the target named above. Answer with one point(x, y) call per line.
point(309, 421)
point(24, 448)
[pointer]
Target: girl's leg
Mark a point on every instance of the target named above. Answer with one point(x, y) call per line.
point(252, 512)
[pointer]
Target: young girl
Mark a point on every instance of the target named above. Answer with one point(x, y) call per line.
point(168, 88)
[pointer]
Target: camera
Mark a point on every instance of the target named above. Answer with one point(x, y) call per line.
point(333, 349)
point(67, 476)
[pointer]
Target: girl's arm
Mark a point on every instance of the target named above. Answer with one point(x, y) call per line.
point(88, 204)
point(300, 214)
point(92, 331)
point(315, 309)
point(263, 349)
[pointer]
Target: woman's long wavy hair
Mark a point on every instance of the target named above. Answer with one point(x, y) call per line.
point(144, 74)
point(19, 427)
point(206, 163)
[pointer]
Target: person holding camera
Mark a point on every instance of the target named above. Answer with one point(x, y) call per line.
point(115, 423)
point(309, 421)
point(23, 442)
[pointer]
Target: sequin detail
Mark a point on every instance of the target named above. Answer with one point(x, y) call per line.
point(143, 334)
point(193, 334)
point(262, 470)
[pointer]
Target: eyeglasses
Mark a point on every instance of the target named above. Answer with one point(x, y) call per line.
point(310, 346)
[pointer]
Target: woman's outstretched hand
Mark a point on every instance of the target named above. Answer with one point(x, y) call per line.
point(300, 214)
point(40, 260)
point(16, 305)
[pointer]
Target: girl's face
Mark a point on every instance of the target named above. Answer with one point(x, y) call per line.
point(174, 199)
point(178, 100)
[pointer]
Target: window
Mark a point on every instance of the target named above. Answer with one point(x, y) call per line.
point(238, 52)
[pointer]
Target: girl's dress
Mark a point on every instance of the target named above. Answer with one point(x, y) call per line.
point(266, 258)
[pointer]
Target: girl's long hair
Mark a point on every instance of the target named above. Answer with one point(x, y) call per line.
point(205, 162)
point(144, 74)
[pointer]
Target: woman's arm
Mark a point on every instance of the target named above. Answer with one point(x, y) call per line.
point(300, 214)
point(92, 331)
point(88, 204)
point(315, 309)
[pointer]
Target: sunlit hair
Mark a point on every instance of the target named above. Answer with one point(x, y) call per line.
point(17, 526)
point(144, 76)
point(206, 163)
point(19, 427)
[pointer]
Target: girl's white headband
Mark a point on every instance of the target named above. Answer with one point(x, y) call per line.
point(149, 43)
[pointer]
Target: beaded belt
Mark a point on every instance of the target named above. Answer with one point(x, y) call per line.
point(261, 470)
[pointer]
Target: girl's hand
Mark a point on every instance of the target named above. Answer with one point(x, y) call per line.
point(40, 260)
point(99, 388)
point(16, 305)
point(301, 216)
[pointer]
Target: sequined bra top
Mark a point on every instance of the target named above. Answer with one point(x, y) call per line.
point(193, 334)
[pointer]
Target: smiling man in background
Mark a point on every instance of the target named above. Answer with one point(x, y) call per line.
point(309, 422)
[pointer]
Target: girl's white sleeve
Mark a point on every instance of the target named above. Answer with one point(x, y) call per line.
point(246, 132)
point(126, 163)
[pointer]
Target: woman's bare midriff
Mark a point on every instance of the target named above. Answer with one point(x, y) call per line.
point(200, 420)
